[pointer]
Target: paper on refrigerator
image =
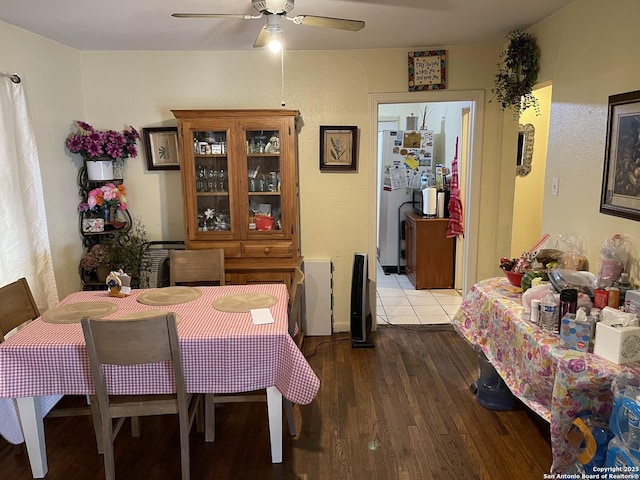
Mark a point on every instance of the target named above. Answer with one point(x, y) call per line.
point(397, 177)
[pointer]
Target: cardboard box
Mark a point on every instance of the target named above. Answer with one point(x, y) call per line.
point(575, 334)
point(617, 344)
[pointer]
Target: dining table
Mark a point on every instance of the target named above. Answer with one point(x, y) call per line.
point(555, 382)
point(233, 339)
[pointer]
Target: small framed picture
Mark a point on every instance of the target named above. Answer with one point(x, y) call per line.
point(427, 70)
point(338, 148)
point(161, 146)
point(620, 194)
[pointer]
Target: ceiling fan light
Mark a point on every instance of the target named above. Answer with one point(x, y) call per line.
point(275, 44)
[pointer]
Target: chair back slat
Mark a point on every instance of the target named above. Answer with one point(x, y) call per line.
point(132, 342)
point(196, 266)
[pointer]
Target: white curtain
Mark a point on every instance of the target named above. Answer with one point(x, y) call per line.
point(24, 238)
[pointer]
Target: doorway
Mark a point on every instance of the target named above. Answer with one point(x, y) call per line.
point(473, 116)
point(445, 124)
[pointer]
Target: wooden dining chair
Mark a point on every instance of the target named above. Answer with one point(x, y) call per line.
point(17, 308)
point(296, 329)
point(196, 267)
point(135, 342)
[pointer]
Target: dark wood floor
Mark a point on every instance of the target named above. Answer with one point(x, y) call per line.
point(402, 410)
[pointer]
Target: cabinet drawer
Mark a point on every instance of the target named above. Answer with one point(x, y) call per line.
point(264, 277)
point(231, 249)
point(267, 250)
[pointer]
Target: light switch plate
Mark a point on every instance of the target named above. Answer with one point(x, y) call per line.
point(554, 186)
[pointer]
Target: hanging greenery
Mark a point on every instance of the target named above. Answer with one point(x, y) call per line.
point(517, 73)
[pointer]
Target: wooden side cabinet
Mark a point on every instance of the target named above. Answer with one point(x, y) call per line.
point(239, 174)
point(429, 254)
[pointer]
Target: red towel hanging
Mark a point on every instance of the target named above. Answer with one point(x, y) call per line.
point(456, 222)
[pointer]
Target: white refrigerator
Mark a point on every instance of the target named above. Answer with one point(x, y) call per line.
point(404, 156)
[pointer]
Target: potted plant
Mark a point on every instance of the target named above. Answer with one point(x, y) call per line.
point(518, 72)
point(127, 253)
point(100, 148)
point(96, 263)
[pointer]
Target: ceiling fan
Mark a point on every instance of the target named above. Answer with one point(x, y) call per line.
point(275, 11)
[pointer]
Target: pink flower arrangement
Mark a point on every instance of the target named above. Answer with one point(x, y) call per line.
point(92, 143)
point(109, 195)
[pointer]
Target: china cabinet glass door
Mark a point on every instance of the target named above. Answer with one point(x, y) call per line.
point(211, 173)
point(263, 181)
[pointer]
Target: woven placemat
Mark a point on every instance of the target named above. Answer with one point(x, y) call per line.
point(144, 314)
point(169, 296)
point(243, 302)
point(73, 313)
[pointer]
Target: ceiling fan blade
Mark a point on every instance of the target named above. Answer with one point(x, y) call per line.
point(215, 15)
point(263, 38)
point(339, 23)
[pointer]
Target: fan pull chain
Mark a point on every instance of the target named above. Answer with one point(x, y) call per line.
point(282, 75)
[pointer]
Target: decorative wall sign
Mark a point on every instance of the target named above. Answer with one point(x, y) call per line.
point(621, 178)
point(427, 70)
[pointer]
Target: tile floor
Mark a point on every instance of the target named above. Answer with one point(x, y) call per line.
point(399, 303)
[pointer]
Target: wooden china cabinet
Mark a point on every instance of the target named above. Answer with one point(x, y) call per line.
point(240, 190)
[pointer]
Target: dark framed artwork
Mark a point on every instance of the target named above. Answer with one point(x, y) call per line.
point(338, 147)
point(161, 147)
point(620, 194)
point(427, 70)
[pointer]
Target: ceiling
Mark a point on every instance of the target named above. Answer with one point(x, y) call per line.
point(148, 24)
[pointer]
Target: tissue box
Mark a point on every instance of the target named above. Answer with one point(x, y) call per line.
point(575, 334)
point(632, 301)
point(617, 344)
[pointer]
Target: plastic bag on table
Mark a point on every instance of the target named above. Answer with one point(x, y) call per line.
point(614, 254)
point(534, 293)
point(546, 251)
point(573, 256)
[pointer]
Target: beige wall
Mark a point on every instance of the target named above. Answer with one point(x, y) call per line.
point(529, 190)
point(588, 53)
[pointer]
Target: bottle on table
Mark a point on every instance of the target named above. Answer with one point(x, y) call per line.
point(568, 301)
point(535, 311)
point(623, 284)
point(549, 314)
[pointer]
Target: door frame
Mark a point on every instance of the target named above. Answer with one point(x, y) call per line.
point(474, 168)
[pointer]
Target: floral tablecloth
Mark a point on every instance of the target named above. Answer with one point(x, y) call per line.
point(555, 382)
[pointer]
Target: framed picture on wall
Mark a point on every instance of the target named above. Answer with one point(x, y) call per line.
point(161, 147)
point(338, 146)
point(620, 194)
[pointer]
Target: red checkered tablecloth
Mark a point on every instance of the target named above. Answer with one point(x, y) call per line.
point(222, 352)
